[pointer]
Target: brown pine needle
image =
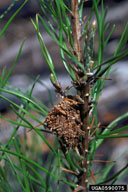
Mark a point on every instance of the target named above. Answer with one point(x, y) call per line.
point(92, 63)
point(36, 126)
point(99, 155)
point(92, 175)
point(94, 131)
point(69, 171)
point(103, 78)
point(83, 20)
point(104, 127)
point(73, 101)
point(92, 122)
point(39, 124)
point(91, 182)
point(103, 161)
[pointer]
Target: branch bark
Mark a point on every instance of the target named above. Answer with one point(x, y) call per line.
point(84, 94)
point(76, 28)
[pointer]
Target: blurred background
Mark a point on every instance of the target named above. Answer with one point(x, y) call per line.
point(114, 99)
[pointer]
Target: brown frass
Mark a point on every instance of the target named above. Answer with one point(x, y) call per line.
point(64, 120)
